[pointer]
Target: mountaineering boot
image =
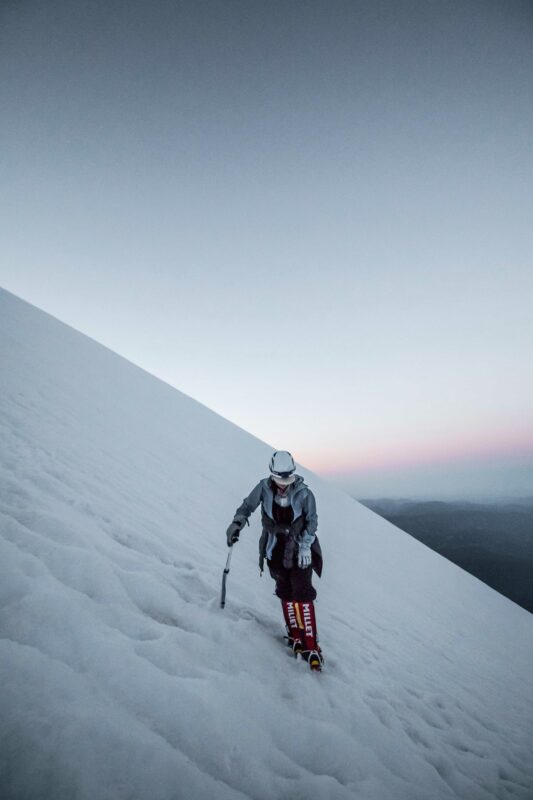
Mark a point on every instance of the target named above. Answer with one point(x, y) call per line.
point(304, 611)
point(294, 632)
point(314, 659)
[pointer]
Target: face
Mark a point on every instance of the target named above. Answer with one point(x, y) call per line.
point(283, 482)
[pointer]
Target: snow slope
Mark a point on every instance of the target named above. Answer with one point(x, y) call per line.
point(122, 678)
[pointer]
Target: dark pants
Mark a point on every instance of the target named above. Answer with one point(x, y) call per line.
point(293, 583)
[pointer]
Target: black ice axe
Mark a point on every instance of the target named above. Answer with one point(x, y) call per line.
point(224, 576)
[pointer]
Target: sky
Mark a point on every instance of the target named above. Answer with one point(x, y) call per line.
point(313, 217)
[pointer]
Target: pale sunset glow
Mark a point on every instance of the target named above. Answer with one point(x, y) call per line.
point(355, 460)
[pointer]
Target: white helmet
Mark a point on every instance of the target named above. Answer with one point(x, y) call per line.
point(282, 468)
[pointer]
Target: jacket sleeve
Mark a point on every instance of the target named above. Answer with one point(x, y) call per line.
point(308, 535)
point(249, 504)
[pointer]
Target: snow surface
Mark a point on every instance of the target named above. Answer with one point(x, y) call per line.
point(122, 678)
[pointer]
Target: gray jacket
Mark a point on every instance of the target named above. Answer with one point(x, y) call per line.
point(304, 525)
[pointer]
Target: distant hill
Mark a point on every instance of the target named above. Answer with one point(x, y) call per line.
point(492, 542)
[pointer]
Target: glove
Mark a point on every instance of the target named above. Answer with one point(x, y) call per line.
point(304, 556)
point(232, 534)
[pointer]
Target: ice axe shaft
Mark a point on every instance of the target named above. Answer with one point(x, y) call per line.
point(224, 577)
